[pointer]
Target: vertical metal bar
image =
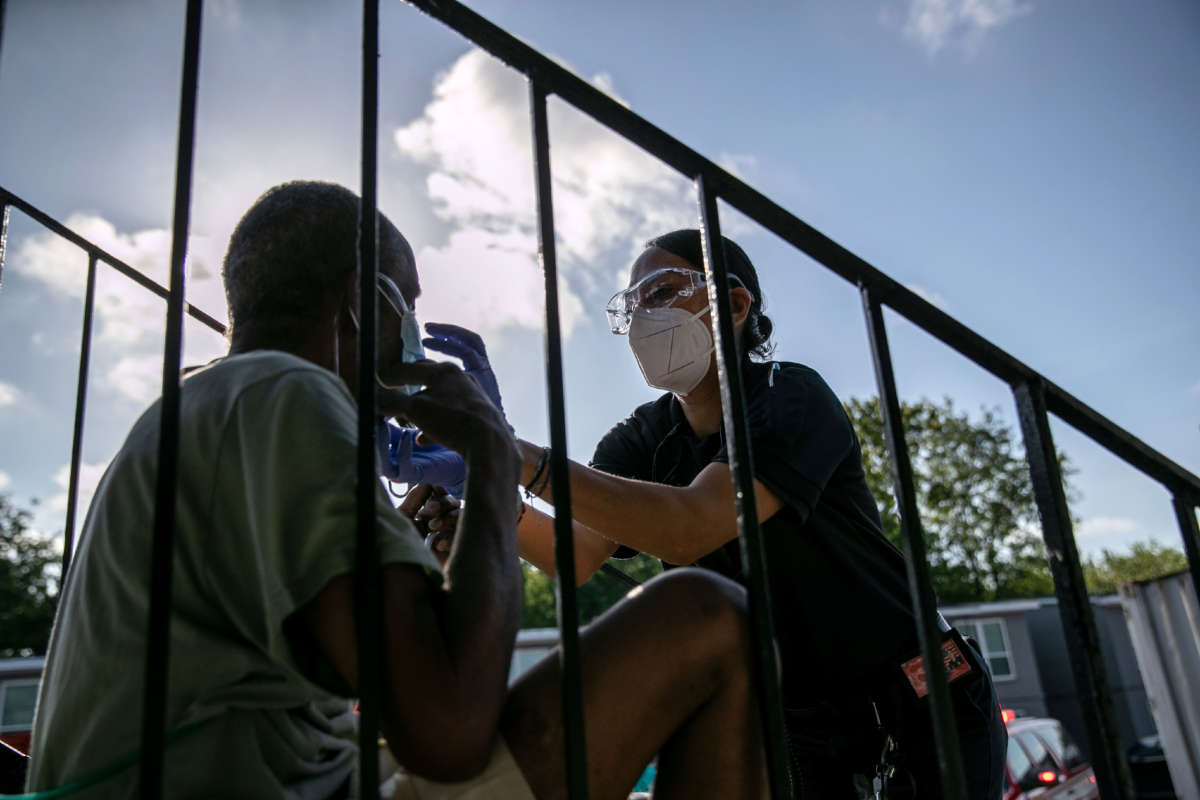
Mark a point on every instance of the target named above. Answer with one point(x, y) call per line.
point(157, 637)
point(1079, 623)
point(741, 461)
point(1185, 512)
point(564, 542)
point(366, 587)
point(85, 350)
point(920, 585)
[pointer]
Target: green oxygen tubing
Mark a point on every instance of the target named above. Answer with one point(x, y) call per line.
point(111, 769)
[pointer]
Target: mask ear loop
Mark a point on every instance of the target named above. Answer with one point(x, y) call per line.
point(337, 340)
point(337, 327)
point(336, 343)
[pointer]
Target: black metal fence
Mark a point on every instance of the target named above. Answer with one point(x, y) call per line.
point(1034, 395)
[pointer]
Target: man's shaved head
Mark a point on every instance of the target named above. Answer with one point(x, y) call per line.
point(296, 245)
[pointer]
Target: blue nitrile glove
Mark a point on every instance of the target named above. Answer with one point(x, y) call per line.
point(467, 346)
point(405, 461)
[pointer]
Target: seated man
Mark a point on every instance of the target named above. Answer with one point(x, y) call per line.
point(263, 654)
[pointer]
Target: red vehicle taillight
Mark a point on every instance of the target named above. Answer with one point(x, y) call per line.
point(1007, 715)
point(1049, 776)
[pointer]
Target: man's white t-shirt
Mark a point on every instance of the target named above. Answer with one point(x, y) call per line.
point(265, 519)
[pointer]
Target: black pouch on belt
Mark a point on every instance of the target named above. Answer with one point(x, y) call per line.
point(901, 696)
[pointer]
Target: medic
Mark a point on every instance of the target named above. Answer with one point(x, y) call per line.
point(659, 483)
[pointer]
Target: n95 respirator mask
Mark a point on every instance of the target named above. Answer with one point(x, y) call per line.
point(673, 347)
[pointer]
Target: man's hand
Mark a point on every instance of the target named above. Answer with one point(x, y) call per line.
point(451, 410)
point(435, 515)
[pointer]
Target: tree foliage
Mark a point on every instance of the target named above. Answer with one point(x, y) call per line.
point(28, 565)
point(1145, 560)
point(594, 597)
point(974, 497)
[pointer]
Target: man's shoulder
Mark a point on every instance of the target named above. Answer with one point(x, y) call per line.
point(255, 364)
point(238, 373)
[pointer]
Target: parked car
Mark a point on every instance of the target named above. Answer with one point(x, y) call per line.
point(1148, 767)
point(1043, 762)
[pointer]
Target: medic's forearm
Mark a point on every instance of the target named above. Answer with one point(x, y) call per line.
point(650, 517)
point(535, 534)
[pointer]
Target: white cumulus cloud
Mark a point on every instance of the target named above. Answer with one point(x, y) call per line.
point(1106, 526)
point(138, 378)
point(125, 312)
point(498, 260)
point(5, 479)
point(9, 394)
point(937, 24)
point(474, 137)
point(89, 479)
point(129, 318)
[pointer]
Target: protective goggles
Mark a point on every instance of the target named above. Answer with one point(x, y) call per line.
point(664, 288)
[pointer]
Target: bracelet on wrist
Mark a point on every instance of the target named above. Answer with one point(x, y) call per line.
point(540, 473)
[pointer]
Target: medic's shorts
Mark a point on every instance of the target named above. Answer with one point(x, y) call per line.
point(500, 780)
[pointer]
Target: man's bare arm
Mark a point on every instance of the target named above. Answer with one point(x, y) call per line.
point(446, 649)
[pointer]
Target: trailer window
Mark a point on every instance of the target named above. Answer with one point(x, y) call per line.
point(992, 638)
point(17, 701)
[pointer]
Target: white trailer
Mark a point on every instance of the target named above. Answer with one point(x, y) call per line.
point(1164, 622)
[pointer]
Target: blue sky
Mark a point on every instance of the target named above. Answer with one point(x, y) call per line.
point(1031, 167)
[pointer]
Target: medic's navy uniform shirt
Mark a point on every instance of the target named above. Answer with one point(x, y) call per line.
point(839, 589)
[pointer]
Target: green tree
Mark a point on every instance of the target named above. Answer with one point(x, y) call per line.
point(1145, 560)
point(28, 566)
point(594, 597)
point(974, 497)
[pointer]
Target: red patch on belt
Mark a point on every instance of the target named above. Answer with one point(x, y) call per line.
point(956, 667)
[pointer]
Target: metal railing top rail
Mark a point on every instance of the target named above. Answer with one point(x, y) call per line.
point(559, 81)
point(92, 249)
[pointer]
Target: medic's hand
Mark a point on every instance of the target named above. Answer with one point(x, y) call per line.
point(407, 461)
point(467, 346)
